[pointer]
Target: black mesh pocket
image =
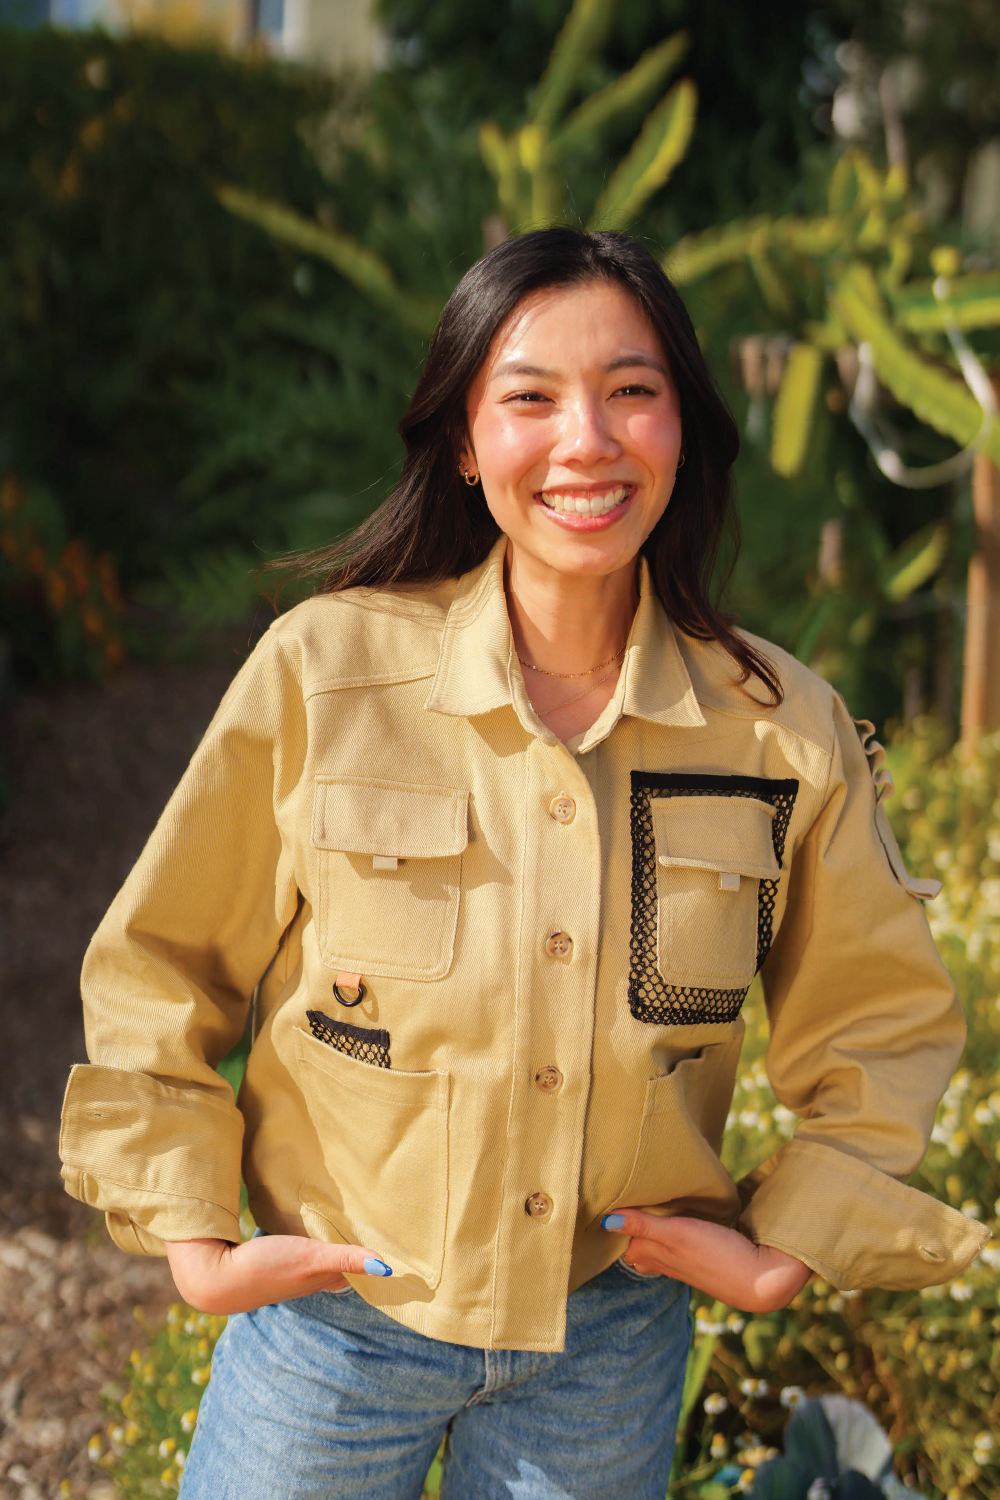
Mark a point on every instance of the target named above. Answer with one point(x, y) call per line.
point(650, 997)
point(363, 1043)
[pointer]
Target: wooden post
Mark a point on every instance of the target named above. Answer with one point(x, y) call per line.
point(981, 672)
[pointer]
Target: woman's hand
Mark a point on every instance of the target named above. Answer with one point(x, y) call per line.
point(217, 1277)
point(715, 1260)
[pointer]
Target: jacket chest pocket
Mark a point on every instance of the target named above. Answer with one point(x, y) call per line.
point(706, 862)
point(389, 875)
point(712, 853)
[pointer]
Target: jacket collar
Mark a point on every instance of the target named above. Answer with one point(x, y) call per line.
point(478, 669)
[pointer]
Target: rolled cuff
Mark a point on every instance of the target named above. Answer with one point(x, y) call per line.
point(162, 1163)
point(854, 1225)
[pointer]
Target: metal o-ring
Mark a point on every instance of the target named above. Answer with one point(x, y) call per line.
point(349, 1003)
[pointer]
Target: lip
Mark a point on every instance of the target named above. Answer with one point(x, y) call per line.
point(570, 522)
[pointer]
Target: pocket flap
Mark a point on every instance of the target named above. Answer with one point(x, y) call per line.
point(729, 835)
point(389, 818)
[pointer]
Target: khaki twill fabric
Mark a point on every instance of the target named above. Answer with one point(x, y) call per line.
point(553, 949)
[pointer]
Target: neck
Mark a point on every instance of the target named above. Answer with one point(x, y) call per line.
point(567, 622)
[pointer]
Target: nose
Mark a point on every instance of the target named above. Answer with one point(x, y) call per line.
point(586, 435)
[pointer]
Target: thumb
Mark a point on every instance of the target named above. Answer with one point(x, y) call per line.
point(356, 1260)
point(630, 1222)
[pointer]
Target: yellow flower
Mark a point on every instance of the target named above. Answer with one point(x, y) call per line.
point(132, 1433)
point(167, 1447)
point(188, 1420)
point(202, 1376)
point(95, 1448)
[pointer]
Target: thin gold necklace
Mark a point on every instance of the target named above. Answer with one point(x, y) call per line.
point(566, 702)
point(565, 676)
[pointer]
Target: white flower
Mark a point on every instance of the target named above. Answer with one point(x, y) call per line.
point(719, 1448)
point(971, 1209)
point(991, 1255)
point(836, 1303)
point(180, 1458)
point(754, 1388)
point(749, 1118)
point(984, 1114)
point(983, 1441)
point(715, 1404)
point(707, 1329)
point(95, 1448)
point(961, 1291)
point(735, 1323)
point(188, 1420)
point(791, 1396)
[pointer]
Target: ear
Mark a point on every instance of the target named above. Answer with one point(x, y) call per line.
point(466, 457)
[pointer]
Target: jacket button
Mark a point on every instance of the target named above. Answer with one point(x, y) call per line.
point(559, 945)
point(549, 1079)
point(562, 808)
point(538, 1206)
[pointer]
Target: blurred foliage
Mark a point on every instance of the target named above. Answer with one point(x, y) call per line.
point(926, 1365)
point(150, 384)
point(193, 396)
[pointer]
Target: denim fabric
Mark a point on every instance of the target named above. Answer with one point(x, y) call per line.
point(326, 1398)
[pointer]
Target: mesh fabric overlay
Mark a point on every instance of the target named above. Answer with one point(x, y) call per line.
point(363, 1043)
point(650, 997)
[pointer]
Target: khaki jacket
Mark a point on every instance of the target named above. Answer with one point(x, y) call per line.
point(553, 949)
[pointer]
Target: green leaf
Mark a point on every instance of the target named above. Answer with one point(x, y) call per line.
point(916, 561)
point(937, 398)
point(659, 147)
point(794, 409)
point(854, 184)
point(630, 91)
point(582, 34)
point(361, 266)
point(973, 302)
point(781, 1480)
point(698, 255)
point(809, 1441)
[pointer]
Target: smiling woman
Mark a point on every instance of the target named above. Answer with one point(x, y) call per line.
point(494, 834)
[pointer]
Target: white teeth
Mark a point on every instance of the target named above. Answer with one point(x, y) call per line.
point(586, 505)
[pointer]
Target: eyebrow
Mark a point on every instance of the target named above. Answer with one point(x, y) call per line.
point(623, 362)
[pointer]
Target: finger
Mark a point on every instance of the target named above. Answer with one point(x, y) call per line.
point(633, 1223)
point(317, 1260)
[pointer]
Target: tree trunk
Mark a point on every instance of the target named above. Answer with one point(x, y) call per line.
point(981, 675)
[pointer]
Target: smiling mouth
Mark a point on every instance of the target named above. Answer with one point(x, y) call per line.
point(586, 505)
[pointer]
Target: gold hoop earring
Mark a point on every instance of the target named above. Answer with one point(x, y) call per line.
point(470, 479)
point(682, 461)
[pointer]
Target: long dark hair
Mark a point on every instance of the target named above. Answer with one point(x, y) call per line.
point(432, 526)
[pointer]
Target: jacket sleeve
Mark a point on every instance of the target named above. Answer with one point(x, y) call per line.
point(150, 1132)
point(866, 1030)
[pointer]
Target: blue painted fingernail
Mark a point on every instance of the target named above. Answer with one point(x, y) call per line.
point(613, 1221)
point(377, 1267)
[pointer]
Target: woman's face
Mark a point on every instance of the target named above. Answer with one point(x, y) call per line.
point(574, 426)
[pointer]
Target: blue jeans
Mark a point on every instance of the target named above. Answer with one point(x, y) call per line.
point(326, 1398)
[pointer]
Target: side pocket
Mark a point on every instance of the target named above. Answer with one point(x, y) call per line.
point(675, 1168)
point(384, 1139)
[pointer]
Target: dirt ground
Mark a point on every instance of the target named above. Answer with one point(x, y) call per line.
point(87, 771)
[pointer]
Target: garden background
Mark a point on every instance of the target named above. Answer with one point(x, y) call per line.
point(218, 269)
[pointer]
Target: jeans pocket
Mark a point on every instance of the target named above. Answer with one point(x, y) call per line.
point(634, 1275)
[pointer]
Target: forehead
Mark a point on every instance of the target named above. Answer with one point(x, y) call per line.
point(589, 322)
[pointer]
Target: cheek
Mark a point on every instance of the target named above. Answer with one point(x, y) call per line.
point(506, 448)
point(656, 442)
